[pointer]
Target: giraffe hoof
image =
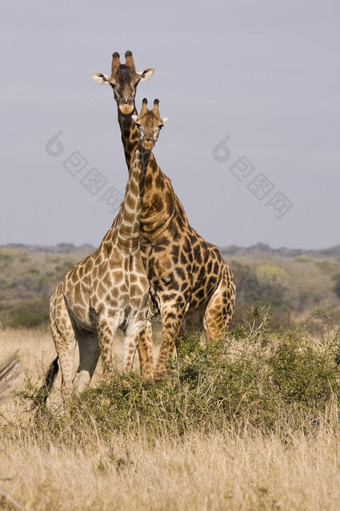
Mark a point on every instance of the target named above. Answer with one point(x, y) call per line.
point(148, 377)
point(161, 375)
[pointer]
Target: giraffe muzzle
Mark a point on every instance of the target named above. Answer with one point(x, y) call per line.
point(148, 144)
point(126, 108)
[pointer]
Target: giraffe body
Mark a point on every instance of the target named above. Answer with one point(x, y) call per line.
point(109, 288)
point(190, 283)
point(105, 291)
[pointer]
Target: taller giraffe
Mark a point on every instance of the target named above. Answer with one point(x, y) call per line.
point(189, 280)
point(109, 288)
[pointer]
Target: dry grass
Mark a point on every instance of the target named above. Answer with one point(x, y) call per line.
point(225, 470)
point(214, 472)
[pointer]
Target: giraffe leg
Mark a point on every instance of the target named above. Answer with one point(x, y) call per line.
point(220, 308)
point(172, 322)
point(137, 328)
point(65, 343)
point(106, 328)
point(89, 353)
point(145, 352)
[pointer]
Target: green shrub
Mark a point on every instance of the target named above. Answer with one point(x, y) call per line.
point(254, 378)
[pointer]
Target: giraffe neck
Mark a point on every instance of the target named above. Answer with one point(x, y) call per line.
point(130, 135)
point(127, 226)
point(159, 199)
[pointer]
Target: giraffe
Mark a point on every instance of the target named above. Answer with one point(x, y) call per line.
point(109, 288)
point(190, 283)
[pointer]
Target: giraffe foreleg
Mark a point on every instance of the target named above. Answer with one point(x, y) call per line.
point(138, 328)
point(145, 352)
point(172, 321)
point(106, 329)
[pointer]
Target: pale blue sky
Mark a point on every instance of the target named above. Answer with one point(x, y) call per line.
point(265, 74)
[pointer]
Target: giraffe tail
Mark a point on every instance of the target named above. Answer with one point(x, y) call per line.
point(41, 396)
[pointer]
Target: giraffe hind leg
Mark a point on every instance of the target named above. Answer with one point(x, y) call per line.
point(65, 343)
point(220, 308)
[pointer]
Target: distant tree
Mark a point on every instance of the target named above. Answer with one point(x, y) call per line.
point(271, 278)
point(262, 247)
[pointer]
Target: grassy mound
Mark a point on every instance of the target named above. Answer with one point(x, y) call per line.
point(257, 379)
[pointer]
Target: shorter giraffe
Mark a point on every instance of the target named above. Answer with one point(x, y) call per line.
point(108, 289)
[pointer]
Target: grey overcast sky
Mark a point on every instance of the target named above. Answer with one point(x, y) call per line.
point(252, 92)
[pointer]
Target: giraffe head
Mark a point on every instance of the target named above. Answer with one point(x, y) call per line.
point(124, 80)
point(149, 124)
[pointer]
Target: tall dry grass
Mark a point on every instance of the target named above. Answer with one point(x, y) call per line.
point(234, 467)
point(217, 471)
point(8, 374)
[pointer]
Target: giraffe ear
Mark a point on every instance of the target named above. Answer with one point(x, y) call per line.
point(146, 74)
point(164, 119)
point(134, 117)
point(101, 78)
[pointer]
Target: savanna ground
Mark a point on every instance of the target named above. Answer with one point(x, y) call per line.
point(249, 423)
